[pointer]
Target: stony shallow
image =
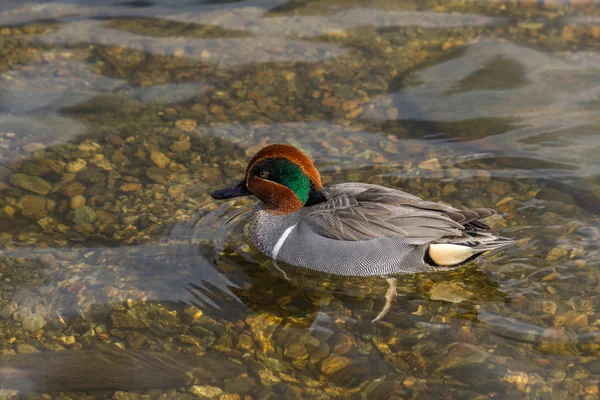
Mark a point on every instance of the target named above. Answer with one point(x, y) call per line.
point(116, 125)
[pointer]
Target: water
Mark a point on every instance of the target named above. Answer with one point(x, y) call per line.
point(117, 119)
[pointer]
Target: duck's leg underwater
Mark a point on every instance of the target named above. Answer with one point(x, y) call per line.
point(390, 296)
point(274, 262)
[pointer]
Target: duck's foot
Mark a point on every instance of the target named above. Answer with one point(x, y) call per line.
point(390, 296)
point(280, 270)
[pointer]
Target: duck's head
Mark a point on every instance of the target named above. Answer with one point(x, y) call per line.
point(282, 176)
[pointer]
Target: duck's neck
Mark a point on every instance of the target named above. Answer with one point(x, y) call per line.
point(315, 197)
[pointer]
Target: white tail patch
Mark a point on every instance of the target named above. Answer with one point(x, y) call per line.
point(447, 254)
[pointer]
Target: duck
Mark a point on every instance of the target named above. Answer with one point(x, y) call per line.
point(353, 229)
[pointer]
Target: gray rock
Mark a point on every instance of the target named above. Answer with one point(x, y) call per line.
point(594, 366)
point(239, 385)
point(158, 175)
point(91, 175)
point(24, 348)
point(33, 323)
point(84, 215)
point(32, 183)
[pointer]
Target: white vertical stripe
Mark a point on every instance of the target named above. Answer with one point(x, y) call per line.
point(281, 241)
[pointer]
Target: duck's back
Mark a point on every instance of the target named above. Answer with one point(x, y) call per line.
point(364, 230)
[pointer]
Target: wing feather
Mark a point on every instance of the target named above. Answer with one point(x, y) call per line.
point(357, 211)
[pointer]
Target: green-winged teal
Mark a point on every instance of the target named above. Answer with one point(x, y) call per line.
point(353, 229)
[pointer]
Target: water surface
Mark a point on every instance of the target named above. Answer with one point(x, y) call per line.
point(117, 119)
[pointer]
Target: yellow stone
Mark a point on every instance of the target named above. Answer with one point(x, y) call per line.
point(431, 165)
point(334, 363)
point(186, 125)
point(557, 253)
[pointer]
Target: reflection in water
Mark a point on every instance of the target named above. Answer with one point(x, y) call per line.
point(117, 120)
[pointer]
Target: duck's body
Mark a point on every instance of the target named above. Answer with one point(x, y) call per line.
point(353, 229)
point(371, 230)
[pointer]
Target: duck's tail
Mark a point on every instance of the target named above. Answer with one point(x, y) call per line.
point(458, 253)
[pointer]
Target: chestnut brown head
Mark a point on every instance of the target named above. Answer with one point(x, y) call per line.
point(282, 176)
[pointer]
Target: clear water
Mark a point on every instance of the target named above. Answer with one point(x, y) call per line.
point(144, 107)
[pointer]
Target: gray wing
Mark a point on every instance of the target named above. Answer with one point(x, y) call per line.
point(357, 211)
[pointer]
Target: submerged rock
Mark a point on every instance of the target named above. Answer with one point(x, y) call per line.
point(77, 202)
point(32, 205)
point(159, 159)
point(462, 354)
point(34, 323)
point(24, 348)
point(84, 215)
point(334, 363)
point(453, 292)
point(210, 392)
point(32, 183)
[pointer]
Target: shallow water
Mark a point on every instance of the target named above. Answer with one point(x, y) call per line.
point(117, 119)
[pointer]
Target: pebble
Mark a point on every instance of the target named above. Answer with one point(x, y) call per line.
point(48, 260)
point(594, 366)
point(67, 340)
point(209, 392)
point(462, 354)
point(33, 147)
point(191, 314)
point(449, 190)
point(7, 211)
point(72, 189)
point(77, 202)
point(245, 342)
point(267, 378)
point(129, 320)
point(159, 159)
point(48, 224)
point(554, 195)
point(186, 125)
point(239, 385)
point(33, 323)
point(24, 348)
point(119, 158)
point(120, 395)
point(91, 175)
point(32, 205)
point(131, 187)
point(105, 217)
point(335, 363)
point(518, 378)
point(181, 146)
point(504, 201)
point(32, 183)
point(76, 166)
point(572, 319)
point(453, 292)
point(431, 165)
point(497, 187)
point(84, 215)
point(557, 253)
point(158, 175)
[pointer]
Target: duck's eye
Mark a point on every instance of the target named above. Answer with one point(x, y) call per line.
point(263, 174)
